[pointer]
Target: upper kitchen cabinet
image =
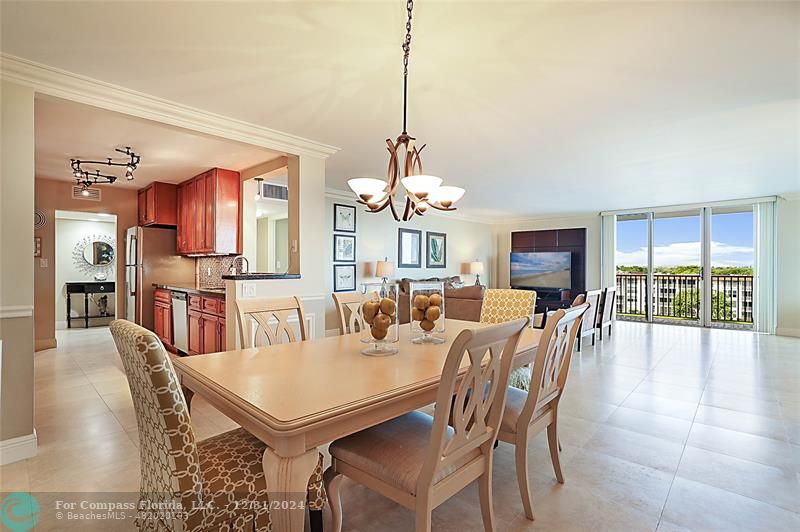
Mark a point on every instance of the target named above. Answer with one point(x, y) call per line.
point(208, 214)
point(158, 205)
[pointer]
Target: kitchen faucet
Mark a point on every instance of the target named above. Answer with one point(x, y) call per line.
point(244, 265)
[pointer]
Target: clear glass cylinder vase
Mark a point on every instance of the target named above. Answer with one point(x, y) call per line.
point(379, 314)
point(427, 312)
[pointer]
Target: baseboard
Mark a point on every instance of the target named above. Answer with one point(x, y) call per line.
point(19, 448)
point(45, 343)
point(60, 325)
point(787, 331)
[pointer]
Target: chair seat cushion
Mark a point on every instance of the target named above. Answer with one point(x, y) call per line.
point(515, 402)
point(232, 472)
point(395, 451)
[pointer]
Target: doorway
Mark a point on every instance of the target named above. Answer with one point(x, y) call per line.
point(687, 267)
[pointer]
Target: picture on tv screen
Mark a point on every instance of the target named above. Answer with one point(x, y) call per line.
point(551, 269)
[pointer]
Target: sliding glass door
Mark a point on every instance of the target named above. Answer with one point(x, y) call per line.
point(686, 267)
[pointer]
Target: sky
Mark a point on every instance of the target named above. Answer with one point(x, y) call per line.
point(677, 241)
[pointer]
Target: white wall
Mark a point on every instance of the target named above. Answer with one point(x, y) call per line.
point(68, 234)
point(376, 238)
point(788, 282)
point(590, 221)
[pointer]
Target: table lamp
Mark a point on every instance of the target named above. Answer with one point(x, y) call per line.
point(384, 269)
point(476, 269)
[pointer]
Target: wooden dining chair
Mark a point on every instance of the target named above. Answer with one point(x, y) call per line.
point(347, 309)
point(264, 312)
point(528, 413)
point(219, 482)
point(507, 304)
point(608, 311)
point(588, 323)
point(420, 461)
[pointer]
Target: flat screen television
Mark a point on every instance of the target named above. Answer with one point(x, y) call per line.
point(542, 269)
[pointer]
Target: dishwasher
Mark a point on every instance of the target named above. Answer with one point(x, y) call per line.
point(180, 322)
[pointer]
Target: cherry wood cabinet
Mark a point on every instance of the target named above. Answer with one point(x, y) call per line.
point(162, 317)
point(206, 324)
point(158, 205)
point(208, 214)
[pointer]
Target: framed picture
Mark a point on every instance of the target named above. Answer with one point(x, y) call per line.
point(344, 218)
point(344, 277)
point(37, 246)
point(409, 248)
point(437, 250)
point(344, 248)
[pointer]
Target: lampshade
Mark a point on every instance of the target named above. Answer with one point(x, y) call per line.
point(446, 195)
point(421, 185)
point(384, 268)
point(368, 188)
point(476, 268)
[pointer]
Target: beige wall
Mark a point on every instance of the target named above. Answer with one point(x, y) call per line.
point(590, 221)
point(376, 238)
point(788, 282)
point(56, 195)
point(16, 248)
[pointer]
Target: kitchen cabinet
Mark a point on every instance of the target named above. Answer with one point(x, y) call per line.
point(208, 214)
point(158, 205)
point(206, 324)
point(162, 317)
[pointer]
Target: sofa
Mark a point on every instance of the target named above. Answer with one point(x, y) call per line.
point(460, 302)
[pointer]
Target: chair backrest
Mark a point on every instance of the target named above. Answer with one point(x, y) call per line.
point(579, 300)
point(265, 311)
point(551, 363)
point(167, 447)
point(593, 298)
point(609, 306)
point(474, 397)
point(347, 305)
point(507, 304)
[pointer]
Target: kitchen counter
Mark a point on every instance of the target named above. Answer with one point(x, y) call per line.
point(192, 289)
point(255, 276)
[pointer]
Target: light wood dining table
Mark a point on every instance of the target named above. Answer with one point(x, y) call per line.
point(299, 396)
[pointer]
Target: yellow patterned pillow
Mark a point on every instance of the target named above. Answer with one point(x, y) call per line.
point(501, 305)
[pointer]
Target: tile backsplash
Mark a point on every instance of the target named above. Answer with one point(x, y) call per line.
point(211, 269)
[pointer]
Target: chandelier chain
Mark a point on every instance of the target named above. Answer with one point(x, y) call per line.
point(406, 54)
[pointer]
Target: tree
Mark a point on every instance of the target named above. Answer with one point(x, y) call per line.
point(687, 304)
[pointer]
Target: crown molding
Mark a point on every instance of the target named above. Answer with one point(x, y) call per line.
point(346, 195)
point(790, 196)
point(52, 81)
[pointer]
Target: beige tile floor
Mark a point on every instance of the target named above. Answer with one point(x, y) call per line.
point(663, 428)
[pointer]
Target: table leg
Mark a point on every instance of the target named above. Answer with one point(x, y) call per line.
point(69, 310)
point(86, 310)
point(287, 483)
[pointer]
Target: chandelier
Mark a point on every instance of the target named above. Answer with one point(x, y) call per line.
point(405, 166)
point(88, 177)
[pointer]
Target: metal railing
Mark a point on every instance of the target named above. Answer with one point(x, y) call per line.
point(678, 297)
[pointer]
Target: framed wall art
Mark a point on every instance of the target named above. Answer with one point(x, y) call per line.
point(344, 218)
point(436, 256)
point(344, 248)
point(409, 248)
point(344, 277)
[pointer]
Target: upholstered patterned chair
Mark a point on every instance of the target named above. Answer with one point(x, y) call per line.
point(505, 304)
point(175, 468)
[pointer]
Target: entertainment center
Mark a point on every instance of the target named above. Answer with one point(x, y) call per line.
point(536, 250)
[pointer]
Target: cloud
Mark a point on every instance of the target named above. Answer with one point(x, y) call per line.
point(687, 253)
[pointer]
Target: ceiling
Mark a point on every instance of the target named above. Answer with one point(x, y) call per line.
point(67, 130)
point(536, 108)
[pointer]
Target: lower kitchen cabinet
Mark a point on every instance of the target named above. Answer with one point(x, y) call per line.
point(206, 326)
point(162, 318)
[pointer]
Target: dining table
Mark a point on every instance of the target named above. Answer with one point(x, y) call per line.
point(297, 397)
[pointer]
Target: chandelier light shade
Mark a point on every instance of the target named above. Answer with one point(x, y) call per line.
point(405, 167)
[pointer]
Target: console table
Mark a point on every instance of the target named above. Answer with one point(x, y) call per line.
point(86, 289)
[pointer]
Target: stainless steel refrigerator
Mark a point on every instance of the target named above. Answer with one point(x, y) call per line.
point(151, 257)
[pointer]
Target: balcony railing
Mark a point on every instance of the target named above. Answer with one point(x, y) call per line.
point(678, 297)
